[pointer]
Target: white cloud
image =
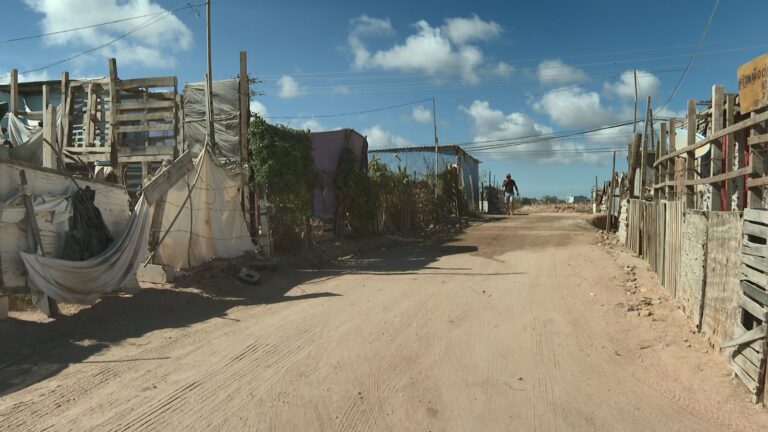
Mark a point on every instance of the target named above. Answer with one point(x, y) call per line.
point(575, 108)
point(557, 72)
point(313, 125)
point(436, 51)
point(421, 114)
point(366, 26)
point(5, 78)
point(289, 87)
point(342, 89)
point(154, 45)
point(258, 108)
point(647, 85)
point(502, 69)
point(464, 30)
point(494, 127)
point(379, 138)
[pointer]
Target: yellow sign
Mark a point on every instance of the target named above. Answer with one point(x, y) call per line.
point(753, 84)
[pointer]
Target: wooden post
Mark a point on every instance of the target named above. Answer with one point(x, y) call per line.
point(609, 207)
point(45, 98)
point(646, 137)
point(634, 148)
point(661, 170)
point(50, 145)
point(670, 163)
point(245, 191)
point(114, 109)
point(14, 102)
point(716, 149)
point(731, 150)
point(690, 163)
point(757, 165)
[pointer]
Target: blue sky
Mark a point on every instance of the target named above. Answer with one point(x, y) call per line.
point(497, 70)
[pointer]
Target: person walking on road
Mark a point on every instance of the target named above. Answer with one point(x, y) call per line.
point(510, 188)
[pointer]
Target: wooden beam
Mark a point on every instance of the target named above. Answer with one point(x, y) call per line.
point(147, 116)
point(51, 155)
point(661, 170)
point(145, 83)
point(757, 165)
point(716, 148)
point(144, 128)
point(643, 153)
point(113, 138)
point(245, 96)
point(731, 150)
point(143, 105)
point(14, 98)
point(718, 178)
point(756, 333)
point(87, 130)
point(690, 163)
point(724, 132)
point(670, 163)
point(148, 151)
point(164, 180)
point(45, 98)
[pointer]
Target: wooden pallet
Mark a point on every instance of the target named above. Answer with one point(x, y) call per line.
point(748, 358)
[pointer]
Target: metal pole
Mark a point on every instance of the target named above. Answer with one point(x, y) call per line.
point(209, 76)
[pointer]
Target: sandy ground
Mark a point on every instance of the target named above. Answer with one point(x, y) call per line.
point(528, 323)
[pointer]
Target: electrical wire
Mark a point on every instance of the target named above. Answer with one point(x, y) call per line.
point(693, 56)
point(101, 24)
point(351, 113)
point(147, 23)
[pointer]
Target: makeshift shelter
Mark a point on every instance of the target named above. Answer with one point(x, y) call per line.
point(326, 151)
point(419, 162)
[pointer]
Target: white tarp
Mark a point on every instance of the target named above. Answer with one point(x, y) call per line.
point(84, 281)
point(211, 223)
point(226, 119)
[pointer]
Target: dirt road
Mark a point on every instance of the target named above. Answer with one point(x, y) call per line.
point(517, 325)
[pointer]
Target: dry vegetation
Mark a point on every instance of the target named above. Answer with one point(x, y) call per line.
point(555, 208)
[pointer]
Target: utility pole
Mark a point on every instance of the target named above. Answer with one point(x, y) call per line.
point(611, 192)
point(634, 124)
point(645, 148)
point(209, 75)
point(437, 152)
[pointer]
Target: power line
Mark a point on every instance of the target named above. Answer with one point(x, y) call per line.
point(147, 23)
point(350, 113)
point(101, 24)
point(693, 56)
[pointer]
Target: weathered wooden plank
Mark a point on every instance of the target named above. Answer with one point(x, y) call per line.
point(88, 150)
point(756, 230)
point(147, 116)
point(744, 376)
point(754, 292)
point(150, 151)
point(718, 178)
point(756, 262)
point(754, 276)
point(167, 81)
point(758, 139)
point(758, 181)
point(750, 354)
point(144, 128)
point(141, 105)
point(756, 333)
point(158, 186)
point(752, 307)
point(756, 215)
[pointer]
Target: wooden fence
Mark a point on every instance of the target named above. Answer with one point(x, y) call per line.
point(731, 176)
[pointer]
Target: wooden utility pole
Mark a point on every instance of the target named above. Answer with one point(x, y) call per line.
point(690, 161)
point(645, 148)
point(437, 150)
point(611, 192)
point(209, 75)
point(634, 124)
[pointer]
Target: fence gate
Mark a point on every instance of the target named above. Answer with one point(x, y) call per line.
point(748, 357)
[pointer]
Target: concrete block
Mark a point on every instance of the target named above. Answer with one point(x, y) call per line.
point(154, 273)
point(4, 307)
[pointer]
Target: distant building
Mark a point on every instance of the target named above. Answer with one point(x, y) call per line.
point(420, 161)
point(576, 199)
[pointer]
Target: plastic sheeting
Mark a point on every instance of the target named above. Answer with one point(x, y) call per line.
point(326, 152)
point(226, 116)
point(209, 225)
point(84, 281)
